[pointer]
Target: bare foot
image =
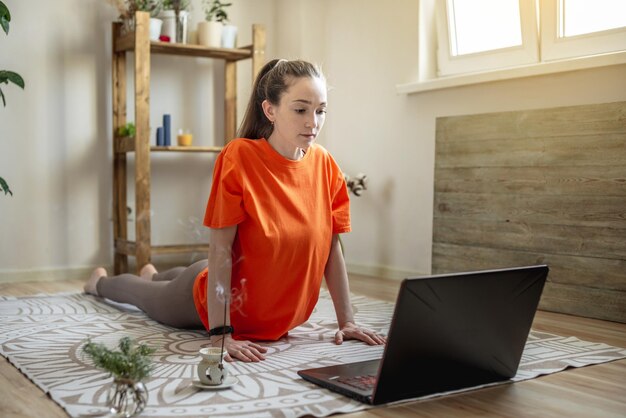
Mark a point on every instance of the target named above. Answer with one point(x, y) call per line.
point(91, 285)
point(147, 272)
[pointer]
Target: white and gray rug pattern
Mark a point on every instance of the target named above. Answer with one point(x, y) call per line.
point(43, 337)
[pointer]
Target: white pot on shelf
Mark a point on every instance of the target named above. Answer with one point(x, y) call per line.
point(210, 34)
point(155, 28)
point(229, 36)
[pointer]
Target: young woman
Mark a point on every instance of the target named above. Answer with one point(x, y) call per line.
point(278, 203)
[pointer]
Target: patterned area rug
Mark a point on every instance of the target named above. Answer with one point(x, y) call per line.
point(43, 337)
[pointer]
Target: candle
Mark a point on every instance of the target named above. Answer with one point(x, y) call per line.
point(159, 137)
point(167, 129)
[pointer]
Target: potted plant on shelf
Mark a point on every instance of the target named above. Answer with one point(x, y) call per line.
point(153, 7)
point(229, 32)
point(210, 31)
point(175, 16)
point(129, 366)
point(127, 9)
point(127, 130)
point(6, 77)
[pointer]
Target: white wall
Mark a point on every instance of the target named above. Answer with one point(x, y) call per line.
point(55, 135)
point(366, 49)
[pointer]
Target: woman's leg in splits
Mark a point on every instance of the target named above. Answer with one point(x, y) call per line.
point(169, 299)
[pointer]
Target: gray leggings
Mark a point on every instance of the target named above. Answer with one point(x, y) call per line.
point(168, 298)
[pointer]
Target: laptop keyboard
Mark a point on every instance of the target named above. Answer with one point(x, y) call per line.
point(365, 382)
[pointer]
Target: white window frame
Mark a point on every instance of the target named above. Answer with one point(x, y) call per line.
point(428, 78)
point(527, 53)
point(555, 47)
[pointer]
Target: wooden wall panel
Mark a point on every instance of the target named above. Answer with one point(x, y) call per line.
point(539, 186)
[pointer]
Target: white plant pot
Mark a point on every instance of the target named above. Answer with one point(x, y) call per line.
point(210, 34)
point(169, 25)
point(155, 28)
point(229, 36)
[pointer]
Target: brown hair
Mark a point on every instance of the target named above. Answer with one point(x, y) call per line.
point(272, 81)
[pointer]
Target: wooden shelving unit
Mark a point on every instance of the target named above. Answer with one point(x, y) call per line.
point(139, 43)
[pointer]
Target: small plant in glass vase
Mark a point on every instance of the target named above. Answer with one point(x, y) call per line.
point(129, 366)
point(175, 16)
point(211, 31)
point(127, 9)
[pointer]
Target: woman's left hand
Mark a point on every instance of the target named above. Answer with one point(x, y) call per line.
point(351, 331)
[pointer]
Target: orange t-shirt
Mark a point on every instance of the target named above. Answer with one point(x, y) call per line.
point(286, 213)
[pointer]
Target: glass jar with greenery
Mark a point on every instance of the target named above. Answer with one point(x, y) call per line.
point(179, 8)
point(129, 366)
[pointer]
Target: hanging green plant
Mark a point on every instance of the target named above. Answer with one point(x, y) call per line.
point(4, 187)
point(6, 77)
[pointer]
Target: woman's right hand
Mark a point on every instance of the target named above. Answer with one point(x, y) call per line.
point(246, 351)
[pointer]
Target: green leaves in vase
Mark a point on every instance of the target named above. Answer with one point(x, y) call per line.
point(132, 361)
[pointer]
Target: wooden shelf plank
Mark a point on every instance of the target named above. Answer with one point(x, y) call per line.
point(123, 144)
point(126, 42)
point(128, 247)
point(230, 54)
point(127, 144)
point(180, 248)
point(189, 148)
point(124, 246)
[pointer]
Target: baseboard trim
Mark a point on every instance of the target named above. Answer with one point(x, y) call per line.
point(48, 275)
point(82, 273)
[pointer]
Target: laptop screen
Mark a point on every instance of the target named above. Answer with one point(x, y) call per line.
point(458, 330)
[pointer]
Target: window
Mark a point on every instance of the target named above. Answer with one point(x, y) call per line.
point(472, 25)
point(478, 35)
point(577, 18)
point(575, 28)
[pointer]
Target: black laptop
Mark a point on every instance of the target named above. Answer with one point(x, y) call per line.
point(448, 332)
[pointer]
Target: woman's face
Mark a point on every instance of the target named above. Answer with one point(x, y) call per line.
point(299, 116)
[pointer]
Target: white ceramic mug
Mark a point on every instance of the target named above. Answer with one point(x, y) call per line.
point(209, 370)
point(229, 36)
point(155, 28)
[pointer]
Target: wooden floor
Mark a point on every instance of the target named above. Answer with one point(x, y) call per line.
point(593, 391)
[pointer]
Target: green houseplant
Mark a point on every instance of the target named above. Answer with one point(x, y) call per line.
point(127, 9)
point(215, 10)
point(6, 77)
point(129, 366)
point(210, 31)
point(127, 130)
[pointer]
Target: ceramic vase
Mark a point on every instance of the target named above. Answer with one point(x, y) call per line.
point(210, 34)
point(229, 36)
point(212, 369)
point(155, 28)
